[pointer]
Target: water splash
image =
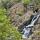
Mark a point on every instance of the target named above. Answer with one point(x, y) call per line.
point(28, 29)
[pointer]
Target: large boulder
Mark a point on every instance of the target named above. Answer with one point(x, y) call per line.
point(18, 15)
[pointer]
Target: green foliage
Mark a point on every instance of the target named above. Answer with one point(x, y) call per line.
point(7, 31)
point(36, 4)
point(8, 3)
point(37, 1)
point(5, 3)
point(25, 1)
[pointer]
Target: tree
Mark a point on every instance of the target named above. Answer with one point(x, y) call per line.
point(7, 31)
point(26, 1)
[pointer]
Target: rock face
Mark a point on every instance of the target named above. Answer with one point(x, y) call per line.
point(36, 35)
point(18, 15)
point(16, 12)
point(17, 9)
point(36, 32)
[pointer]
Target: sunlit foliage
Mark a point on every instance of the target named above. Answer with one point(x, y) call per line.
point(7, 31)
point(25, 1)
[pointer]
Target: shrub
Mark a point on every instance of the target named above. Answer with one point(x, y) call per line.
point(25, 1)
point(7, 31)
point(8, 3)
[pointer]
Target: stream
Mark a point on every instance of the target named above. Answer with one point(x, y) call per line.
point(27, 30)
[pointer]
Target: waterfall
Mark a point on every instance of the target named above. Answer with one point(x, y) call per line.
point(28, 29)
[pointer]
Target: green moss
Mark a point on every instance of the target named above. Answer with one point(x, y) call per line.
point(7, 31)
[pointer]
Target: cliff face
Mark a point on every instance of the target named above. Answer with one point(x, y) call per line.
point(20, 16)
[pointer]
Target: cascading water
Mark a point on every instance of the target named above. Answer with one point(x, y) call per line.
point(28, 29)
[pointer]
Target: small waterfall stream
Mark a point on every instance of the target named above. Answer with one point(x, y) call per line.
point(28, 29)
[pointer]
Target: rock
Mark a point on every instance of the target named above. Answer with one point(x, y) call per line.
point(36, 33)
point(17, 9)
point(18, 15)
point(16, 12)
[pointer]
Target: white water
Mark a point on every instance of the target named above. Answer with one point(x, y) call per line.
point(26, 31)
